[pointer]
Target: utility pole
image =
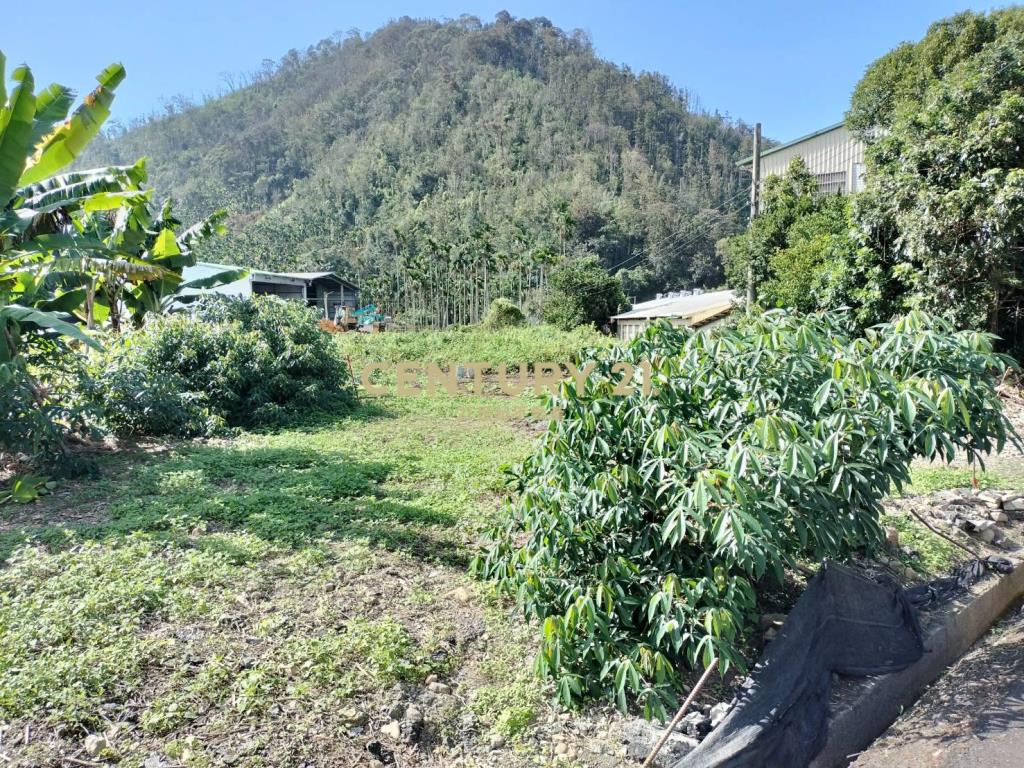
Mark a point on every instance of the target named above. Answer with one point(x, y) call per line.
point(755, 195)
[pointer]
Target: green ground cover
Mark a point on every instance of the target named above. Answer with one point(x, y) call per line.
point(272, 582)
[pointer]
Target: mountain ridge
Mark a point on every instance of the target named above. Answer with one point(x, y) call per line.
point(427, 137)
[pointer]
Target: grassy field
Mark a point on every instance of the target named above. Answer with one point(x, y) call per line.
point(267, 600)
point(469, 344)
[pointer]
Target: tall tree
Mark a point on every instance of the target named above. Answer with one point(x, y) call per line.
point(944, 206)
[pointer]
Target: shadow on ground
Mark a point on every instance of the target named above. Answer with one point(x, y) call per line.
point(288, 496)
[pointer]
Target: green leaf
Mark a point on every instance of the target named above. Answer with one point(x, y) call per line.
point(65, 144)
point(52, 106)
point(165, 245)
point(46, 320)
point(15, 132)
point(908, 411)
point(66, 302)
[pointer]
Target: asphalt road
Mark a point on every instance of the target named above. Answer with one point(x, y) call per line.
point(972, 717)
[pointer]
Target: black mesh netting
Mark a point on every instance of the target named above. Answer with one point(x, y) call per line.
point(844, 622)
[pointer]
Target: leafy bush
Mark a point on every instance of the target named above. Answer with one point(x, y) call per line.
point(503, 314)
point(801, 247)
point(642, 523)
point(230, 362)
point(39, 412)
point(582, 293)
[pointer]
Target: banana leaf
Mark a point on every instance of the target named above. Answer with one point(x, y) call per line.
point(49, 320)
point(212, 281)
point(15, 130)
point(66, 303)
point(63, 145)
point(52, 106)
point(72, 189)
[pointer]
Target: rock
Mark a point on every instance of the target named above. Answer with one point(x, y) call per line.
point(772, 620)
point(639, 738)
point(353, 716)
point(497, 741)
point(414, 715)
point(561, 748)
point(1015, 504)
point(436, 687)
point(718, 713)
point(892, 539)
point(381, 753)
point(998, 516)
point(392, 730)
point(984, 529)
point(430, 679)
point(397, 710)
point(909, 573)
point(695, 725)
point(330, 586)
point(770, 633)
point(95, 743)
point(463, 595)
point(155, 761)
point(991, 499)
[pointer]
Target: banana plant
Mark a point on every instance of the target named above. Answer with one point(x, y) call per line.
point(38, 141)
point(157, 253)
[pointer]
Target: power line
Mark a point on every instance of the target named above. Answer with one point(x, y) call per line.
point(674, 239)
point(677, 235)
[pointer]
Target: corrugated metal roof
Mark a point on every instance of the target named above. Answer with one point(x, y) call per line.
point(680, 306)
point(289, 275)
point(788, 144)
point(317, 275)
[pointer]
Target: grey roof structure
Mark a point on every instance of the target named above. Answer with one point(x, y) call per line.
point(682, 306)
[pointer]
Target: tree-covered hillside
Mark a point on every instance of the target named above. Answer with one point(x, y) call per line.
point(455, 158)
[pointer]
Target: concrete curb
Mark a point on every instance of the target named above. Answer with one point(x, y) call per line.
point(857, 722)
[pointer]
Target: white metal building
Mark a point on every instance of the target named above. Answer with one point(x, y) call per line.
point(324, 290)
point(694, 309)
point(832, 154)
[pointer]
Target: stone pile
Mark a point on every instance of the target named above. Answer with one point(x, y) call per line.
point(979, 513)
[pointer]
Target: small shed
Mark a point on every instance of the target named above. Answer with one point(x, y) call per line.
point(328, 291)
point(693, 309)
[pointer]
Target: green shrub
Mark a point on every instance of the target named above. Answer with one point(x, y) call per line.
point(582, 293)
point(642, 523)
point(39, 411)
point(503, 314)
point(227, 363)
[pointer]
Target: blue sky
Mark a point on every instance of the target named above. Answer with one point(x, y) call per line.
point(790, 65)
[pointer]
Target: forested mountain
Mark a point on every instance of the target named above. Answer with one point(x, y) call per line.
point(455, 158)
